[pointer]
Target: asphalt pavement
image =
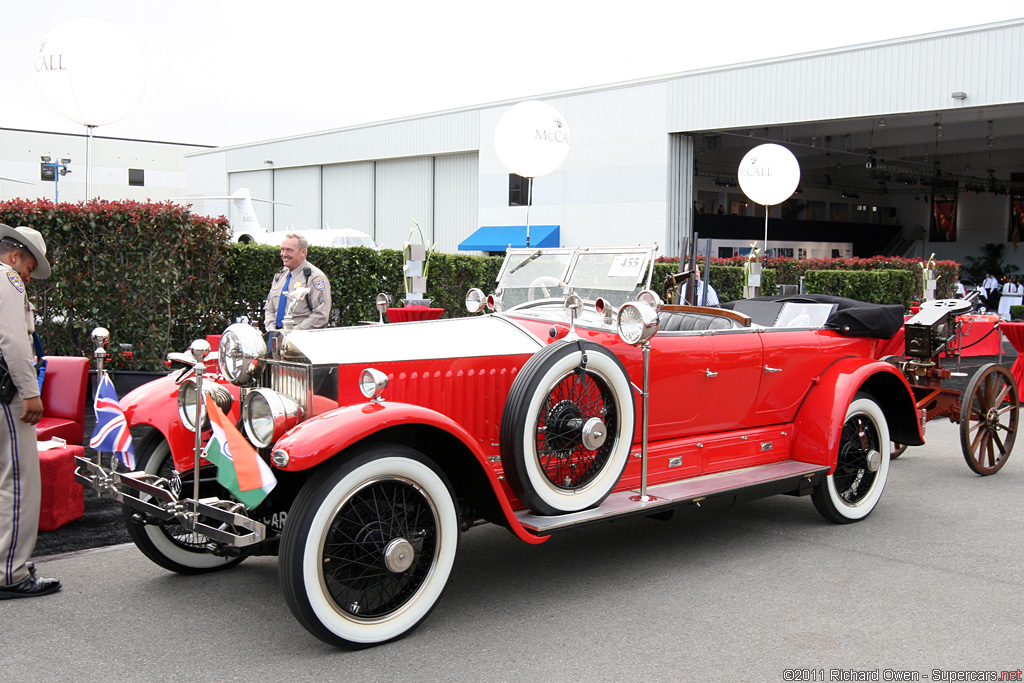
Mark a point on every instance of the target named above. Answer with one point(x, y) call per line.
point(767, 591)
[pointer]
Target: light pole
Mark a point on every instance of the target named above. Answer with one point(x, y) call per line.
point(55, 170)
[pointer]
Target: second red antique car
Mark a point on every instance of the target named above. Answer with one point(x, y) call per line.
point(579, 398)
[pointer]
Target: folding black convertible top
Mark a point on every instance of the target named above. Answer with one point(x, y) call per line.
point(850, 317)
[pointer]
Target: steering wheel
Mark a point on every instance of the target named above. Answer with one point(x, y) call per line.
point(542, 283)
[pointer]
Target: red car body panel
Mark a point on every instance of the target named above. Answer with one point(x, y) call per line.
point(718, 401)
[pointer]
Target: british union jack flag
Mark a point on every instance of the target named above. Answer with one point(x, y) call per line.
point(111, 434)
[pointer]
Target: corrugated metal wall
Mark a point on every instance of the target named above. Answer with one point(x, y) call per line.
point(446, 133)
point(261, 186)
point(988, 64)
point(299, 189)
point(455, 199)
point(348, 196)
point(404, 191)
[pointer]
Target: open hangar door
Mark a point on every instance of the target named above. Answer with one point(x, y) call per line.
point(872, 181)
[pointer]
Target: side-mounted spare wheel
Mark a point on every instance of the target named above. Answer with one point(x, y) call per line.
point(567, 427)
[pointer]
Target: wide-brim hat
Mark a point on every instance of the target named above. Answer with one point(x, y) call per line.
point(30, 239)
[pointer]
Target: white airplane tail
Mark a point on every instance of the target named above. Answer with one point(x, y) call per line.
point(247, 228)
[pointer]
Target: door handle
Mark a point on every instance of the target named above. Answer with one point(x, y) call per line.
point(708, 373)
point(768, 369)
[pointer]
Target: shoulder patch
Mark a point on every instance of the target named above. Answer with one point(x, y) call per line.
point(318, 284)
point(16, 281)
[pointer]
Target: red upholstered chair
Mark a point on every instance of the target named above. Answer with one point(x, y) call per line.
point(64, 389)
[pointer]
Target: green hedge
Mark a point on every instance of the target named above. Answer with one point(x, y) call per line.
point(879, 287)
point(357, 275)
point(727, 280)
point(150, 273)
point(790, 270)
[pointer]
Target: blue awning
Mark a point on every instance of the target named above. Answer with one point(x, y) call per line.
point(500, 237)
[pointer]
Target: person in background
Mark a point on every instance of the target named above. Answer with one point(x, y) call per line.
point(959, 290)
point(712, 299)
point(313, 310)
point(22, 257)
point(991, 286)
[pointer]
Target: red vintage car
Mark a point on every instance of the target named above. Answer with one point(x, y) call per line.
point(580, 397)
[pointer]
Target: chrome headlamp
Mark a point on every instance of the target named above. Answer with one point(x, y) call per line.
point(187, 402)
point(372, 383)
point(475, 300)
point(637, 322)
point(649, 297)
point(267, 415)
point(242, 352)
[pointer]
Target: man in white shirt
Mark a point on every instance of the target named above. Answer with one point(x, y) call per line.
point(699, 299)
point(991, 286)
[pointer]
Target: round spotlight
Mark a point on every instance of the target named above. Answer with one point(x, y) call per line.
point(242, 352)
point(372, 383)
point(187, 402)
point(637, 322)
point(475, 300)
point(649, 297)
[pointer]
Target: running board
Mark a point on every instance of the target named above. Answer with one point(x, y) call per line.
point(787, 476)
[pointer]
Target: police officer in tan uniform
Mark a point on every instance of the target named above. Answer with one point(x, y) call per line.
point(313, 310)
point(22, 257)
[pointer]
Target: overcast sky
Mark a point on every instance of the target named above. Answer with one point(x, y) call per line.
point(223, 72)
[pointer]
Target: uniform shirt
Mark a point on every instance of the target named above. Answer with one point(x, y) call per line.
point(319, 295)
point(15, 332)
point(990, 283)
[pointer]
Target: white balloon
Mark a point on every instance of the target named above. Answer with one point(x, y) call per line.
point(769, 174)
point(532, 139)
point(90, 71)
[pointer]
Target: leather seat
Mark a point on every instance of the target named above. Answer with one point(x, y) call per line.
point(64, 398)
point(688, 322)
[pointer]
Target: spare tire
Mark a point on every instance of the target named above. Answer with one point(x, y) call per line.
point(567, 428)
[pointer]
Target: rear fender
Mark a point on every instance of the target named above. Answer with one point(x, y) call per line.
point(322, 437)
point(820, 420)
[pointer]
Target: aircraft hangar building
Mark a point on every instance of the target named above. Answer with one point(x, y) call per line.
point(890, 136)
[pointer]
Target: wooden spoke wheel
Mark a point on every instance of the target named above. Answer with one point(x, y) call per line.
point(988, 419)
point(896, 449)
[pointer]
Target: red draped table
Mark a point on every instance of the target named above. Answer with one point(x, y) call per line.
point(408, 314)
point(1015, 335)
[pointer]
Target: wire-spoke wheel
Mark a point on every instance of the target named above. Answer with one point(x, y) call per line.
point(567, 427)
point(852, 491)
point(368, 546)
point(988, 419)
point(169, 544)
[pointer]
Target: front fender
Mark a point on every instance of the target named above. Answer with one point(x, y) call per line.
point(155, 404)
point(819, 422)
point(321, 437)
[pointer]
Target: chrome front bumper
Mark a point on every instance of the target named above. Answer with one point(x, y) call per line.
point(161, 503)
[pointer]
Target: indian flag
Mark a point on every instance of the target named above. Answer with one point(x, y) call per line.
point(239, 469)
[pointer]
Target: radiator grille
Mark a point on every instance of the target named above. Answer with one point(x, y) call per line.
point(291, 380)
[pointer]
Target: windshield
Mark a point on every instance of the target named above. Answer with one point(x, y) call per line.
point(615, 274)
